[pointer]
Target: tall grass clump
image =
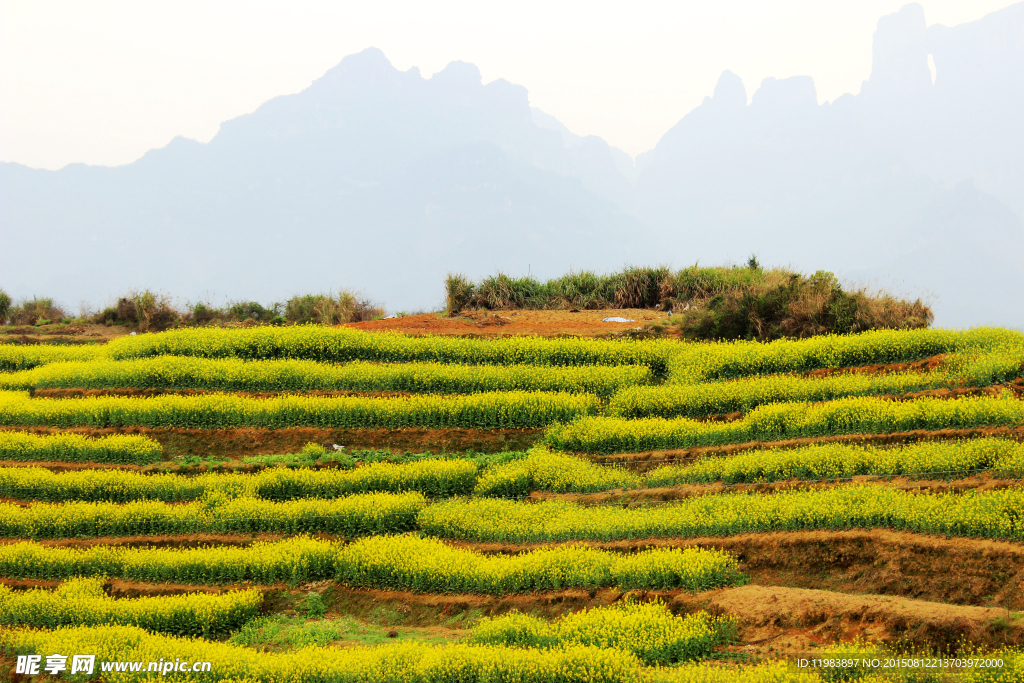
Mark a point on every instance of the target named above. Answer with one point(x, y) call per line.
point(5, 306)
point(331, 309)
point(35, 311)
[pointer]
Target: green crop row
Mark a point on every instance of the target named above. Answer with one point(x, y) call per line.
point(355, 515)
point(648, 630)
point(218, 411)
point(743, 395)
point(23, 357)
point(704, 362)
point(988, 514)
point(786, 420)
point(232, 374)
point(937, 459)
point(64, 447)
point(83, 602)
point(412, 662)
point(435, 478)
point(385, 562)
point(340, 345)
point(542, 470)
point(399, 663)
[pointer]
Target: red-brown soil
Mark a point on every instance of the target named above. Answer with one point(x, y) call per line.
point(798, 622)
point(964, 571)
point(243, 441)
point(509, 323)
point(647, 460)
point(923, 365)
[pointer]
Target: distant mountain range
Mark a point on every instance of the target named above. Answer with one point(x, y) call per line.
point(381, 180)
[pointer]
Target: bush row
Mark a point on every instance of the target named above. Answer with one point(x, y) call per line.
point(989, 514)
point(83, 602)
point(865, 415)
point(386, 562)
point(514, 409)
point(64, 447)
point(232, 374)
point(376, 513)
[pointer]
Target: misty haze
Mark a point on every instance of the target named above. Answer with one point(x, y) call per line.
point(383, 181)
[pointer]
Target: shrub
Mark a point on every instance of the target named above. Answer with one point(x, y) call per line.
point(35, 310)
point(5, 306)
point(328, 309)
point(459, 293)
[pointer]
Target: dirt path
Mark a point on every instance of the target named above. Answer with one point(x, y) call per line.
point(961, 571)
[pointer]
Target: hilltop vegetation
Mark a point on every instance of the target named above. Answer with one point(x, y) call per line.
point(738, 302)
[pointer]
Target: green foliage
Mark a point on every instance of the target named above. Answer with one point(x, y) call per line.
point(5, 306)
point(734, 302)
point(34, 311)
point(330, 309)
point(313, 607)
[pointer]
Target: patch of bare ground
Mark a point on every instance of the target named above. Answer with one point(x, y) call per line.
point(929, 364)
point(632, 497)
point(67, 334)
point(243, 441)
point(783, 622)
point(647, 460)
point(961, 571)
point(552, 323)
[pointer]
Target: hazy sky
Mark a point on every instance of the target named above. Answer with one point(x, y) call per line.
point(101, 81)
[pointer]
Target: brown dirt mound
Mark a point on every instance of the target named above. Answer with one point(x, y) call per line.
point(923, 365)
point(235, 443)
point(796, 621)
point(510, 323)
point(647, 460)
point(961, 571)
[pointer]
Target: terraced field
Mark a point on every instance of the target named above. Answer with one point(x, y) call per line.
point(328, 504)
